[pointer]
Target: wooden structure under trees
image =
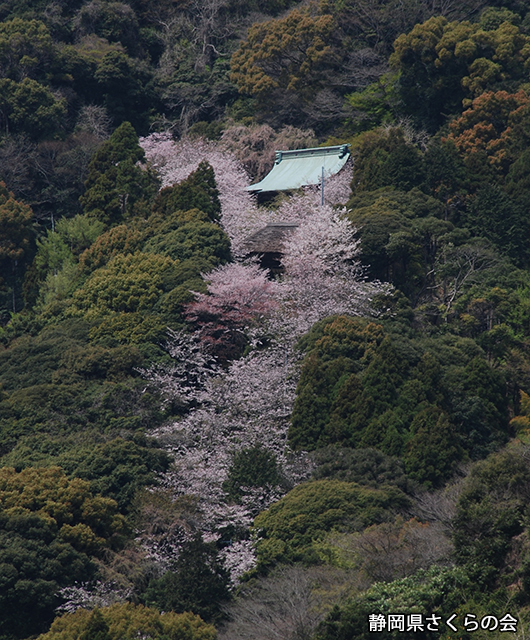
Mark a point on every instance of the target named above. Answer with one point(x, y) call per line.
point(291, 170)
point(267, 243)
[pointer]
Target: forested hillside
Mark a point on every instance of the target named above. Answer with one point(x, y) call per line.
point(193, 449)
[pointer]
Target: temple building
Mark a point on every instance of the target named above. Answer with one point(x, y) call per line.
point(291, 170)
point(302, 168)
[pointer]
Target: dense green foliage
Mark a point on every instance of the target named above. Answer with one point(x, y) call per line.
point(105, 285)
point(197, 582)
point(115, 468)
point(255, 467)
point(49, 529)
point(369, 467)
point(116, 187)
point(446, 62)
point(290, 526)
point(492, 512)
point(435, 591)
point(199, 191)
point(126, 621)
point(16, 240)
point(105, 300)
point(430, 403)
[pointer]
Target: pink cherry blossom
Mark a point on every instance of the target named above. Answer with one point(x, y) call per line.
point(175, 160)
point(249, 401)
point(239, 298)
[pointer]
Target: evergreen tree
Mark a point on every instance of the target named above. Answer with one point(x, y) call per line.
point(434, 449)
point(97, 627)
point(198, 583)
point(16, 243)
point(253, 467)
point(383, 376)
point(384, 159)
point(504, 221)
point(116, 187)
point(198, 191)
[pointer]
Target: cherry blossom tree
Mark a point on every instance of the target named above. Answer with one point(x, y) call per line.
point(239, 558)
point(239, 298)
point(183, 383)
point(322, 274)
point(240, 216)
point(92, 596)
point(247, 405)
point(176, 160)
point(337, 188)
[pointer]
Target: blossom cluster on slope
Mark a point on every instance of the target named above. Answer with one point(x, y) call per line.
point(247, 402)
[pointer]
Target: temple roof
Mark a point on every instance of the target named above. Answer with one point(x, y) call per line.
point(270, 239)
point(302, 168)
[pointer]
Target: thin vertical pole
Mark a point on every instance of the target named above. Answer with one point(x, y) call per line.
point(322, 189)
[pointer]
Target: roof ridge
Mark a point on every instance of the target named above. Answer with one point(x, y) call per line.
point(338, 149)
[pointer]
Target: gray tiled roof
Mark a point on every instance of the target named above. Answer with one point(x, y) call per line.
point(270, 239)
